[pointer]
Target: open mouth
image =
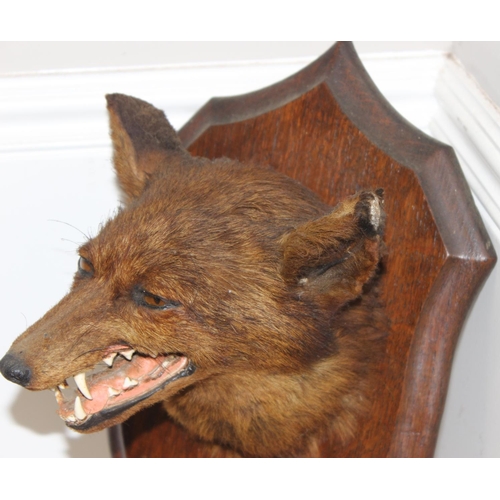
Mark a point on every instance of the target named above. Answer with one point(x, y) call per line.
point(123, 379)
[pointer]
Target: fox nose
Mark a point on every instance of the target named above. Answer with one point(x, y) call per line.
point(15, 370)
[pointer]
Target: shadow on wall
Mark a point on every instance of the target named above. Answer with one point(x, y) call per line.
point(44, 420)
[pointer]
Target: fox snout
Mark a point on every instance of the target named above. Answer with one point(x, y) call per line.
point(15, 370)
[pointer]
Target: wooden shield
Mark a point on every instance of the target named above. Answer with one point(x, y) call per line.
point(330, 128)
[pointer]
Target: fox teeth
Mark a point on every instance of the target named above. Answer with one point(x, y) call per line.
point(112, 392)
point(70, 418)
point(128, 383)
point(128, 354)
point(109, 359)
point(79, 411)
point(81, 383)
point(64, 385)
point(59, 397)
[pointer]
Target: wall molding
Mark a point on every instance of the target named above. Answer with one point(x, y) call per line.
point(470, 122)
point(66, 109)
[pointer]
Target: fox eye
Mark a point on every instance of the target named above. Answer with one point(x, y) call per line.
point(147, 299)
point(85, 267)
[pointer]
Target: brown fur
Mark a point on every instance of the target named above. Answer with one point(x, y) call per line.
point(273, 291)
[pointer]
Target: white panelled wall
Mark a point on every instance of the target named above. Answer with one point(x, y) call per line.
point(58, 183)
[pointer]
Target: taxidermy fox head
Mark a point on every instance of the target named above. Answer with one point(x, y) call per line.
point(227, 291)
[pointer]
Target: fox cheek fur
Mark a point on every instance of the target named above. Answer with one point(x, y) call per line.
point(229, 292)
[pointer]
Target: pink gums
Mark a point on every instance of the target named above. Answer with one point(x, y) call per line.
point(147, 371)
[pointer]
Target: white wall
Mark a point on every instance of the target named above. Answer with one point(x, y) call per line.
point(55, 162)
point(469, 427)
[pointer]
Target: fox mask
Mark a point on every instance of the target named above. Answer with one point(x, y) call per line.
point(227, 291)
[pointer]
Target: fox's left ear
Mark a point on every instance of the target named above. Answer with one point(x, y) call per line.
point(143, 139)
point(331, 258)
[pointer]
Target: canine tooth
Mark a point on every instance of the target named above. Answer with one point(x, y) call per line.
point(59, 396)
point(112, 392)
point(128, 354)
point(81, 383)
point(79, 411)
point(109, 359)
point(127, 383)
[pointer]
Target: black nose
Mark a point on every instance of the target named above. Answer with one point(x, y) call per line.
point(15, 370)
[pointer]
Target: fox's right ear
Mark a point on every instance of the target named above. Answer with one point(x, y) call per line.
point(142, 140)
point(331, 258)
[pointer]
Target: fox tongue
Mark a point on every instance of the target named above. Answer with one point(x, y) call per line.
point(126, 381)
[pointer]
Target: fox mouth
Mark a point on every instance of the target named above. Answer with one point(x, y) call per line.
point(123, 379)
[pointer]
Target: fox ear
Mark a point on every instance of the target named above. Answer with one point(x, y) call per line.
point(332, 257)
point(142, 140)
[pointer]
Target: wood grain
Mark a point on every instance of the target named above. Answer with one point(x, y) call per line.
point(331, 129)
